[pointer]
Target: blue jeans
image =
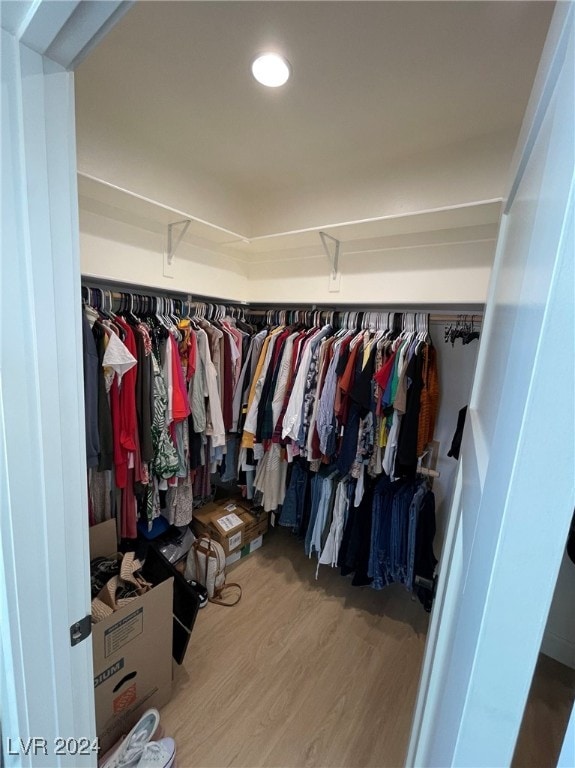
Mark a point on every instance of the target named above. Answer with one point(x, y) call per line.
point(294, 501)
point(317, 488)
point(412, 530)
point(320, 515)
point(230, 472)
point(380, 567)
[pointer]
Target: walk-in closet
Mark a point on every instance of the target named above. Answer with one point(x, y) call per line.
point(316, 308)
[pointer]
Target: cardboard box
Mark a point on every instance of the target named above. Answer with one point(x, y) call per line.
point(255, 526)
point(132, 652)
point(222, 521)
point(215, 518)
point(235, 557)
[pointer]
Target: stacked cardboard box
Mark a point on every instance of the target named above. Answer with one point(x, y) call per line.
point(231, 524)
point(247, 549)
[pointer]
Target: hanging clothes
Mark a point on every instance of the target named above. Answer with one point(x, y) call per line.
point(335, 422)
point(160, 393)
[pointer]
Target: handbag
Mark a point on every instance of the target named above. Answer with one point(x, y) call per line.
point(206, 564)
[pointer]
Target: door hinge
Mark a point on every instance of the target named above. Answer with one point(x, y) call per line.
point(80, 630)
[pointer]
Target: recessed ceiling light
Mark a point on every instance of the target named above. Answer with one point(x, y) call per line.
point(271, 69)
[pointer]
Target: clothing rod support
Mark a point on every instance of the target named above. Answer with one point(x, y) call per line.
point(333, 257)
point(173, 247)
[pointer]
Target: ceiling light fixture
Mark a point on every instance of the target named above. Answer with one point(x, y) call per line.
point(271, 69)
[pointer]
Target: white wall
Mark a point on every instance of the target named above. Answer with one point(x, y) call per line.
point(559, 638)
point(456, 367)
point(116, 251)
point(446, 266)
point(430, 272)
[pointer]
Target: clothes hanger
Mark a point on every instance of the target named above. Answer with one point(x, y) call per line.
point(158, 312)
point(106, 297)
point(471, 334)
point(130, 309)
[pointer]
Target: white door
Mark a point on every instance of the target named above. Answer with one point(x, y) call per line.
point(516, 481)
point(46, 682)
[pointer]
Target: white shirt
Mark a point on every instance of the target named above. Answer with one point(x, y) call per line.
point(294, 412)
point(283, 377)
point(117, 359)
point(215, 421)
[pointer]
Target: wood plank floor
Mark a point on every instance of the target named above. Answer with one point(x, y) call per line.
point(546, 715)
point(319, 673)
point(301, 672)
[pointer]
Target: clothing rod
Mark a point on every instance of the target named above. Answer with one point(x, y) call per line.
point(147, 290)
point(434, 317)
point(444, 309)
point(440, 313)
point(428, 472)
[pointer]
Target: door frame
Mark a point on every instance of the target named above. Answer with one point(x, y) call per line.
point(453, 580)
point(43, 490)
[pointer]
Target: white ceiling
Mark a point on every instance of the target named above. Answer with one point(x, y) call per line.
point(393, 108)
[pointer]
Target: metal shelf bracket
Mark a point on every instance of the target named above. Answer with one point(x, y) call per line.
point(331, 247)
point(173, 245)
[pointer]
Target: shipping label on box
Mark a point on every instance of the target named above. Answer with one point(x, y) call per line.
point(247, 549)
point(227, 523)
point(235, 541)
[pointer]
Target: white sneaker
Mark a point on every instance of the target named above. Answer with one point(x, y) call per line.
point(130, 751)
point(158, 754)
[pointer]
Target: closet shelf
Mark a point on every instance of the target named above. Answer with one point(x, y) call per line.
point(101, 197)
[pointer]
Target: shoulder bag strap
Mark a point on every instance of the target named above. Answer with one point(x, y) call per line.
point(218, 598)
point(220, 601)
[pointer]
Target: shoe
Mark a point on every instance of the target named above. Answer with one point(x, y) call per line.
point(102, 569)
point(132, 748)
point(158, 754)
point(201, 592)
